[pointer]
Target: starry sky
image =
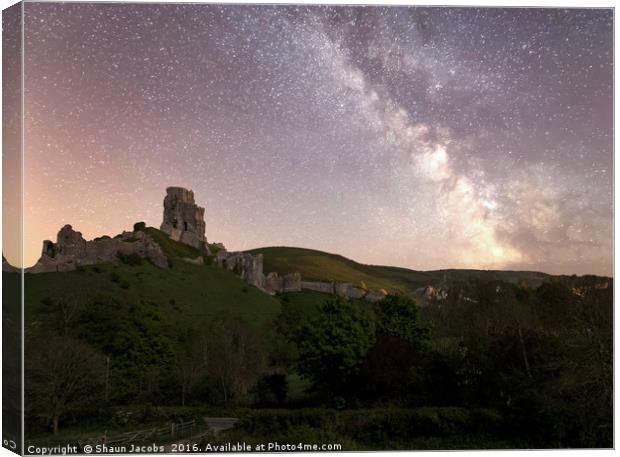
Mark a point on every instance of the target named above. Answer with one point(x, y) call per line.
point(418, 137)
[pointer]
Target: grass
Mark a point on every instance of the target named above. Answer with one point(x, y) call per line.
point(306, 301)
point(322, 266)
point(297, 387)
point(188, 295)
point(172, 248)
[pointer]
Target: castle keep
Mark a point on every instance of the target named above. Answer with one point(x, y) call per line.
point(184, 221)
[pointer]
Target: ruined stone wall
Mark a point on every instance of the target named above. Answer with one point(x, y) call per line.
point(292, 282)
point(275, 283)
point(374, 296)
point(343, 289)
point(317, 286)
point(71, 250)
point(248, 266)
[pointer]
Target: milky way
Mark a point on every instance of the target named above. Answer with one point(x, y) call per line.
point(418, 137)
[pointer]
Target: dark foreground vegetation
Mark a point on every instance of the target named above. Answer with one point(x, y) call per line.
point(492, 365)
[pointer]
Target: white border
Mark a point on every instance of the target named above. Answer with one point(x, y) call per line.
point(480, 3)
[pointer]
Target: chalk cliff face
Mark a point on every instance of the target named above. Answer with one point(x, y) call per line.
point(72, 250)
point(184, 221)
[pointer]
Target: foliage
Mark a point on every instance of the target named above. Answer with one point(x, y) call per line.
point(130, 334)
point(392, 369)
point(272, 390)
point(115, 277)
point(504, 363)
point(200, 293)
point(132, 259)
point(333, 344)
point(374, 429)
point(397, 315)
point(235, 356)
point(191, 362)
point(61, 373)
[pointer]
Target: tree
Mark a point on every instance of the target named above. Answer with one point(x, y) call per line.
point(60, 314)
point(397, 315)
point(333, 344)
point(191, 363)
point(61, 373)
point(131, 334)
point(390, 368)
point(235, 356)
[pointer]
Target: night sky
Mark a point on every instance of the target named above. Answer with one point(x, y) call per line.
point(417, 137)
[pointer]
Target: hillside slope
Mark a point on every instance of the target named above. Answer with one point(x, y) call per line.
point(322, 266)
point(187, 294)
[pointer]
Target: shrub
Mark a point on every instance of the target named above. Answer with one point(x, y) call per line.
point(272, 389)
point(132, 259)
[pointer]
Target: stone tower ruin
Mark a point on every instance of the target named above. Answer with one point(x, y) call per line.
point(184, 221)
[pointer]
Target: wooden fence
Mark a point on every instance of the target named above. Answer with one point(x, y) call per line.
point(159, 434)
point(170, 431)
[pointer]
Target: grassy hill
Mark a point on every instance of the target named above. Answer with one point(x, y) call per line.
point(322, 266)
point(190, 294)
point(187, 294)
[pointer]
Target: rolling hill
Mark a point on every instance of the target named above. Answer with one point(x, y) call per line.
point(187, 294)
point(190, 295)
point(322, 266)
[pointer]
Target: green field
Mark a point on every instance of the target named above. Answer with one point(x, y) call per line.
point(188, 295)
point(192, 294)
point(322, 266)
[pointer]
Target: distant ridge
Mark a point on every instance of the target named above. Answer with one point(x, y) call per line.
point(323, 266)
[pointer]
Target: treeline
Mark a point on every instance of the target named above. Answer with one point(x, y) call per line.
point(536, 360)
point(108, 353)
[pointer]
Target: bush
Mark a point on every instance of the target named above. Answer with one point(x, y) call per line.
point(374, 428)
point(115, 277)
point(132, 259)
point(272, 389)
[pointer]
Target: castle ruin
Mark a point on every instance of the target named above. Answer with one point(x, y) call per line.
point(184, 221)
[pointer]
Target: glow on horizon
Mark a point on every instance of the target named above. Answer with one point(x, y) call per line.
point(424, 138)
